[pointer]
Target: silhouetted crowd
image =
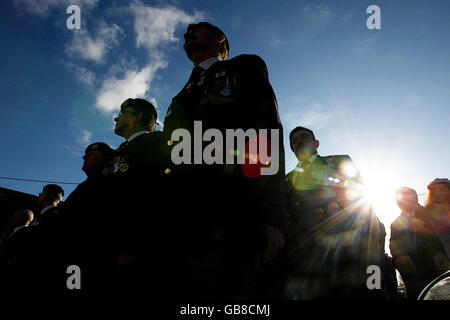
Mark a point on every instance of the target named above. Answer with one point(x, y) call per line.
point(183, 214)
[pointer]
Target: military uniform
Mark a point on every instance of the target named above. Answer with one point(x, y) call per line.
point(219, 210)
point(135, 173)
point(327, 247)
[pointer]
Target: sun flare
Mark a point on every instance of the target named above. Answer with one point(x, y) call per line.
point(380, 186)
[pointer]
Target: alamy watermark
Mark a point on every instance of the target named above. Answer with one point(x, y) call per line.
point(74, 280)
point(74, 20)
point(374, 280)
point(374, 21)
point(255, 151)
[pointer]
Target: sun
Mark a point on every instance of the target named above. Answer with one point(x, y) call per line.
point(380, 184)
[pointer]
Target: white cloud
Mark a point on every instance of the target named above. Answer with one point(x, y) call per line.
point(43, 7)
point(155, 31)
point(94, 49)
point(318, 15)
point(134, 84)
point(85, 137)
point(156, 26)
point(81, 74)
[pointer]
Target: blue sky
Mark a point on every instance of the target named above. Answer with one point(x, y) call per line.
point(381, 96)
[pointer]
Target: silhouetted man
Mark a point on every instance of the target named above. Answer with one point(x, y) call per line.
point(330, 232)
point(13, 254)
point(44, 245)
point(135, 168)
point(48, 201)
point(89, 224)
point(416, 250)
point(228, 217)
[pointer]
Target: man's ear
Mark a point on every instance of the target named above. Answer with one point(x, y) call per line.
point(317, 143)
point(221, 39)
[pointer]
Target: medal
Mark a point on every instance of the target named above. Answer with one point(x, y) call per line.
point(225, 92)
point(123, 167)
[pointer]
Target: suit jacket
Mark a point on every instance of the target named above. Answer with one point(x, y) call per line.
point(414, 237)
point(91, 234)
point(320, 187)
point(219, 211)
point(231, 94)
point(328, 230)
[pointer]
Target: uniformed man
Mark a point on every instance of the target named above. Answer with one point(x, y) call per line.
point(135, 170)
point(44, 245)
point(89, 217)
point(328, 227)
point(228, 217)
point(136, 122)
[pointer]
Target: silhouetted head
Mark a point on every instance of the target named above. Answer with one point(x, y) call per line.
point(303, 142)
point(135, 115)
point(51, 194)
point(203, 40)
point(22, 217)
point(439, 192)
point(407, 199)
point(96, 157)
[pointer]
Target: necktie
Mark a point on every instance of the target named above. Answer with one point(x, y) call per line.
point(195, 75)
point(122, 146)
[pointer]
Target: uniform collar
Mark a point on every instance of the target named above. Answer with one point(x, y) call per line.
point(47, 208)
point(308, 161)
point(208, 63)
point(137, 134)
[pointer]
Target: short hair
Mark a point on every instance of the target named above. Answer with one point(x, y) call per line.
point(404, 191)
point(54, 192)
point(443, 181)
point(103, 148)
point(430, 200)
point(225, 49)
point(296, 129)
point(22, 216)
point(147, 109)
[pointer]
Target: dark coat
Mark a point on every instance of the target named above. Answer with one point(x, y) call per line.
point(415, 238)
point(221, 209)
point(332, 237)
point(91, 234)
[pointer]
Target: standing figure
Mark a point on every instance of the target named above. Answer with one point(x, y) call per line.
point(228, 217)
point(416, 250)
point(333, 235)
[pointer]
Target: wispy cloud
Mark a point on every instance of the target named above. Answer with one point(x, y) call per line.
point(85, 137)
point(43, 7)
point(81, 74)
point(155, 27)
point(318, 15)
point(313, 116)
point(135, 83)
point(155, 31)
point(85, 46)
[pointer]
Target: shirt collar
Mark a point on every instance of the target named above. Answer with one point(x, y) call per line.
point(17, 229)
point(47, 208)
point(309, 160)
point(137, 134)
point(208, 62)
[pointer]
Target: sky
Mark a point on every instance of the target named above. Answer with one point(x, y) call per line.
point(379, 95)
